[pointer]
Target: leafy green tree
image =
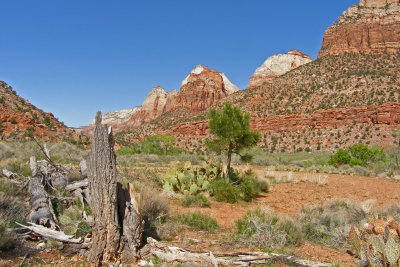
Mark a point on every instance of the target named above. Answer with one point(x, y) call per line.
point(166, 141)
point(232, 133)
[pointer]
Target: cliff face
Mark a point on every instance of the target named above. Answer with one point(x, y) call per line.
point(154, 103)
point(199, 90)
point(203, 88)
point(386, 114)
point(276, 66)
point(371, 27)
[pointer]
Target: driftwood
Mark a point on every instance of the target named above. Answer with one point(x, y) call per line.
point(9, 174)
point(173, 254)
point(117, 224)
point(77, 185)
point(56, 235)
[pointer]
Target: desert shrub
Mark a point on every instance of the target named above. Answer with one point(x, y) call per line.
point(7, 239)
point(197, 221)
point(330, 225)
point(11, 210)
point(340, 158)
point(248, 187)
point(224, 191)
point(357, 155)
point(159, 145)
point(240, 186)
point(263, 185)
point(153, 204)
point(195, 201)
point(263, 227)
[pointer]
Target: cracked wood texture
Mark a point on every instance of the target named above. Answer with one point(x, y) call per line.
point(117, 224)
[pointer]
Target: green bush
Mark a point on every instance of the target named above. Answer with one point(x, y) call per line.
point(195, 201)
point(197, 221)
point(159, 145)
point(340, 158)
point(224, 191)
point(244, 186)
point(248, 188)
point(359, 154)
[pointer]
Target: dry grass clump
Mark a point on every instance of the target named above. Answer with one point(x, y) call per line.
point(263, 227)
point(153, 204)
point(10, 212)
point(331, 223)
point(275, 177)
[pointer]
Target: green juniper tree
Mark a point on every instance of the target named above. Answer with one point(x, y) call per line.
point(232, 133)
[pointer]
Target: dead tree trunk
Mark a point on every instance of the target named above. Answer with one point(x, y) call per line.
point(117, 224)
point(42, 208)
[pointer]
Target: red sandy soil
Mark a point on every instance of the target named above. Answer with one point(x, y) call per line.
point(289, 198)
point(285, 199)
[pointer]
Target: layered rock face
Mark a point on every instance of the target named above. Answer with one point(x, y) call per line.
point(202, 88)
point(278, 65)
point(119, 116)
point(199, 90)
point(155, 101)
point(371, 27)
point(386, 114)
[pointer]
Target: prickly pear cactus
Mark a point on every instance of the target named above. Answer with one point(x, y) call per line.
point(185, 179)
point(377, 247)
point(392, 250)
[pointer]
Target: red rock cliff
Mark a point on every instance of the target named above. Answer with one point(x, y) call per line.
point(371, 27)
point(203, 88)
point(388, 114)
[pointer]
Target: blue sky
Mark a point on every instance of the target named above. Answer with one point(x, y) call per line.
point(75, 57)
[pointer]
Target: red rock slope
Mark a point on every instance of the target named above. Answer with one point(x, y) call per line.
point(19, 119)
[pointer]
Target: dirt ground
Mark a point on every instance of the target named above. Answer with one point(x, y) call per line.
point(285, 199)
point(289, 198)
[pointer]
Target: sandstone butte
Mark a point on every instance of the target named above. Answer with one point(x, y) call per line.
point(276, 66)
point(201, 89)
point(371, 27)
point(388, 114)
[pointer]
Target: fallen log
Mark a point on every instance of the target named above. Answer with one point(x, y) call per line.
point(173, 254)
point(52, 234)
point(9, 174)
point(42, 208)
point(77, 185)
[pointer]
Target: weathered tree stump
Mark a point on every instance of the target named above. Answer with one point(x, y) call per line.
point(117, 224)
point(42, 209)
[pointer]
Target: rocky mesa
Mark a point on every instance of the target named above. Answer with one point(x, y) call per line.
point(371, 27)
point(276, 66)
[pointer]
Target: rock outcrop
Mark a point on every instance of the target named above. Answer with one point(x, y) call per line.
point(202, 88)
point(19, 119)
point(371, 27)
point(278, 65)
point(119, 116)
point(199, 90)
point(154, 103)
